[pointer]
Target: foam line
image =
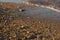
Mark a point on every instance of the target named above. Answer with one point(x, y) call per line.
point(43, 6)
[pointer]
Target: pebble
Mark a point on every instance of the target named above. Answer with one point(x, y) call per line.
point(14, 36)
point(21, 10)
point(17, 6)
point(28, 32)
point(32, 37)
point(22, 26)
point(28, 17)
point(14, 24)
point(9, 37)
point(4, 8)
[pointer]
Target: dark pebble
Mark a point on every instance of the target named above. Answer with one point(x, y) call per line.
point(19, 39)
point(32, 37)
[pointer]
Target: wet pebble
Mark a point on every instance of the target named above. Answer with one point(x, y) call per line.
point(32, 37)
point(21, 10)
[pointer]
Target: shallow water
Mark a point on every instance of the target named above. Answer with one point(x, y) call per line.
point(44, 13)
point(39, 12)
point(14, 1)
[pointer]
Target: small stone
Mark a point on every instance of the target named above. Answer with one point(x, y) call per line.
point(17, 6)
point(9, 37)
point(28, 32)
point(28, 17)
point(18, 28)
point(19, 39)
point(22, 26)
point(32, 37)
point(14, 35)
point(4, 31)
point(39, 21)
point(14, 25)
point(4, 8)
point(21, 10)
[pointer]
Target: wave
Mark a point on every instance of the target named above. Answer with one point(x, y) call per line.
point(43, 6)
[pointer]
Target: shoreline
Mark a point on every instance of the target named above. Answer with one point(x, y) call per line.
point(16, 25)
